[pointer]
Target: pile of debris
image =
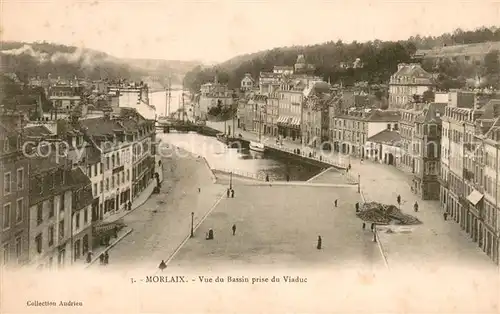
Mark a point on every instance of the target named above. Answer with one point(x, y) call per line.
point(383, 214)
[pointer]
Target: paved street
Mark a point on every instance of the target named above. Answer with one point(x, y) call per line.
point(163, 222)
point(278, 226)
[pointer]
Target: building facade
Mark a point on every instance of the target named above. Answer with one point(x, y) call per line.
point(409, 80)
point(14, 199)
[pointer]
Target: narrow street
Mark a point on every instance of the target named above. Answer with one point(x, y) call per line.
point(164, 221)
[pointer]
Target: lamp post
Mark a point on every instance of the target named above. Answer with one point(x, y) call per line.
point(192, 225)
point(359, 183)
point(231, 180)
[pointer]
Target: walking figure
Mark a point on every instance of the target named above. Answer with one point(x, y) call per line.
point(162, 265)
point(210, 235)
point(357, 207)
point(398, 199)
point(372, 227)
point(415, 207)
point(232, 193)
point(445, 216)
point(319, 243)
point(234, 229)
point(89, 257)
point(364, 225)
point(335, 203)
point(228, 192)
point(349, 167)
point(267, 178)
point(199, 190)
point(101, 259)
point(106, 258)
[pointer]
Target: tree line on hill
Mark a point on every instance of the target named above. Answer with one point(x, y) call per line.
point(380, 60)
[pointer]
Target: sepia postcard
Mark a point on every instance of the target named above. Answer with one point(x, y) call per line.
point(258, 156)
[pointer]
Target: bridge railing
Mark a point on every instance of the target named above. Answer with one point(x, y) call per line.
point(238, 173)
point(326, 160)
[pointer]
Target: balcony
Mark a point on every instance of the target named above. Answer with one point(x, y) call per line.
point(443, 182)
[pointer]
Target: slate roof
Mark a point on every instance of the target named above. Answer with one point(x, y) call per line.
point(386, 137)
point(383, 116)
point(37, 130)
point(101, 126)
point(432, 113)
point(413, 70)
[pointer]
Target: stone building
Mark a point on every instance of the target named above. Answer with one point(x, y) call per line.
point(409, 80)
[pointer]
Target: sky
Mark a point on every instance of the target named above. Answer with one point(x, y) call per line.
point(214, 31)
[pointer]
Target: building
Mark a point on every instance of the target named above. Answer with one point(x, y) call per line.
point(469, 172)
point(212, 95)
point(472, 54)
point(352, 128)
point(131, 95)
point(409, 80)
point(384, 147)
point(427, 145)
point(315, 114)
point(291, 96)
point(272, 114)
point(14, 218)
point(270, 82)
point(247, 82)
point(302, 67)
point(65, 97)
point(283, 70)
point(260, 114)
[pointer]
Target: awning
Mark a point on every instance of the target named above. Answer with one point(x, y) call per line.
point(295, 121)
point(474, 197)
point(282, 119)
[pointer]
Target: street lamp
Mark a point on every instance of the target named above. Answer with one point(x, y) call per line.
point(359, 183)
point(231, 180)
point(192, 225)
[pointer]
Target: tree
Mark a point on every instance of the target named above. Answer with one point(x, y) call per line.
point(491, 68)
point(428, 96)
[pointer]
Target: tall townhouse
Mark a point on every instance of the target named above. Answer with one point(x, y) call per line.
point(469, 172)
point(315, 114)
point(409, 80)
point(109, 176)
point(427, 150)
point(14, 197)
point(212, 94)
point(291, 96)
point(353, 127)
point(260, 113)
point(143, 152)
point(272, 114)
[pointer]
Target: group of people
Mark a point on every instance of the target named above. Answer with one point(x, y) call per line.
point(230, 192)
point(104, 258)
point(415, 206)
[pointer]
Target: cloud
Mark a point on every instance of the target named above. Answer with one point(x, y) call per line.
point(42, 57)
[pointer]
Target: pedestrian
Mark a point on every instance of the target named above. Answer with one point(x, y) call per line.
point(162, 265)
point(398, 199)
point(364, 225)
point(115, 231)
point(445, 215)
point(319, 243)
point(199, 190)
point(89, 257)
point(372, 227)
point(232, 193)
point(101, 259)
point(336, 203)
point(362, 160)
point(228, 192)
point(349, 166)
point(415, 206)
point(234, 229)
point(267, 178)
point(287, 177)
point(106, 258)
point(357, 207)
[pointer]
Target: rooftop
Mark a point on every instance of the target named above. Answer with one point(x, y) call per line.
point(386, 137)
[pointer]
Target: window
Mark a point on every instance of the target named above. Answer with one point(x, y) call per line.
point(95, 169)
point(77, 221)
point(61, 229)
point(20, 179)
point(6, 216)
point(128, 175)
point(388, 126)
point(19, 210)
point(89, 171)
point(85, 216)
point(38, 242)
point(107, 163)
point(95, 189)
point(19, 248)
point(61, 203)
point(51, 235)
point(100, 168)
point(39, 214)
point(107, 184)
point(112, 161)
point(6, 254)
point(51, 207)
point(123, 177)
point(6, 183)
point(100, 186)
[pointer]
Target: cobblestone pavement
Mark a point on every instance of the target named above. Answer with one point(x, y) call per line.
point(279, 225)
point(164, 220)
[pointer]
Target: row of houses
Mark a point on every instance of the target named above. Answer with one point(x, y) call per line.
point(60, 189)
